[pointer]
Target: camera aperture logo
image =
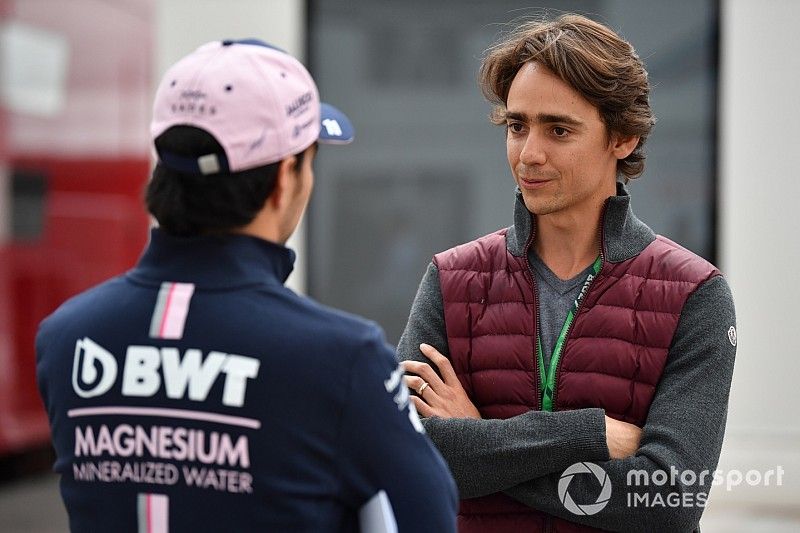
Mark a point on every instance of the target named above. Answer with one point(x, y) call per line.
point(585, 509)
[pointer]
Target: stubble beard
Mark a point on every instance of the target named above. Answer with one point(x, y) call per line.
point(544, 205)
point(545, 201)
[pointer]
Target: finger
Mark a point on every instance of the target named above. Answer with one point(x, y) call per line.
point(424, 371)
point(423, 390)
point(414, 382)
point(441, 362)
point(424, 410)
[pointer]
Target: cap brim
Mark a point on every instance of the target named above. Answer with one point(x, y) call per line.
point(336, 127)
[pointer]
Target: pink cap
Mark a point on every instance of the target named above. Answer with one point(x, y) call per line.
point(258, 102)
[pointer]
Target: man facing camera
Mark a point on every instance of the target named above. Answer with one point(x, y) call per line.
point(576, 341)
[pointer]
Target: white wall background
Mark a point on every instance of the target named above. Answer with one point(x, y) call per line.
point(183, 25)
point(759, 194)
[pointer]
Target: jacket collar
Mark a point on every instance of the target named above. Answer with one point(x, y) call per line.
point(624, 235)
point(219, 261)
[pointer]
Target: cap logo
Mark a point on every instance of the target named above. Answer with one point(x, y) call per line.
point(300, 127)
point(258, 142)
point(193, 95)
point(194, 105)
point(299, 105)
point(332, 127)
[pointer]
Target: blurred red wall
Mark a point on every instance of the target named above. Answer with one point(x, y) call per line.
point(72, 177)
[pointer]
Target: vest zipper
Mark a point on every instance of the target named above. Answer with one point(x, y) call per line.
point(580, 305)
point(537, 377)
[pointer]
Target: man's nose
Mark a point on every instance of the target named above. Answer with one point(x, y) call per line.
point(533, 151)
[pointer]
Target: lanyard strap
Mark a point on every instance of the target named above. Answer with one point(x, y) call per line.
point(547, 380)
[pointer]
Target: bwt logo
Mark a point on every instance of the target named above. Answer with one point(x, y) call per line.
point(590, 508)
point(94, 372)
point(93, 356)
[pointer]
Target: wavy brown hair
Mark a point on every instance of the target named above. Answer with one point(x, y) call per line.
point(593, 60)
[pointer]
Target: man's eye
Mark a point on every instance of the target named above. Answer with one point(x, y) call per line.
point(560, 132)
point(515, 127)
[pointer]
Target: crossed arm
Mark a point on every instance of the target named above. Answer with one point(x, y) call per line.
point(444, 397)
point(451, 416)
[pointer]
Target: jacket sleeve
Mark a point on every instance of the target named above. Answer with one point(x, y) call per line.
point(488, 456)
point(383, 451)
point(681, 439)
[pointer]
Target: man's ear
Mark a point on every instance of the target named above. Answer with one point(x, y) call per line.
point(285, 183)
point(622, 147)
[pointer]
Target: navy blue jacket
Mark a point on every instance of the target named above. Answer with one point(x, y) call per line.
point(197, 393)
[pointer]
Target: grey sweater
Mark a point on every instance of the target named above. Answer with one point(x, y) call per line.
point(524, 456)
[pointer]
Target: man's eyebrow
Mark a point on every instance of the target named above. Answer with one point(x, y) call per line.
point(544, 118)
point(547, 118)
point(513, 115)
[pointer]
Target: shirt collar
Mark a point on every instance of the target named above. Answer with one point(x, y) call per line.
point(213, 261)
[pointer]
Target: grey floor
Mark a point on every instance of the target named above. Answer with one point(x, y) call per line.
point(33, 505)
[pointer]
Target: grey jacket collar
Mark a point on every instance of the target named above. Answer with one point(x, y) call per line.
point(624, 235)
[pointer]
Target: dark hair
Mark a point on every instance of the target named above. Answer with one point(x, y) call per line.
point(593, 60)
point(188, 204)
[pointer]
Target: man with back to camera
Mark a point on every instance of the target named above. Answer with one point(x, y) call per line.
point(196, 392)
point(577, 334)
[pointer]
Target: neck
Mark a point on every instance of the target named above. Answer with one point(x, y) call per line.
point(568, 242)
point(264, 226)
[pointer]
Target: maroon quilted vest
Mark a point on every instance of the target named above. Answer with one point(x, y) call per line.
point(614, 354)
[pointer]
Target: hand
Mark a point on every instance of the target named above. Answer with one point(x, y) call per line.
point(445, 399)
point(622, 438)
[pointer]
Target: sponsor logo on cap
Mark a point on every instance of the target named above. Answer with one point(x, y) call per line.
point(299, 105)
point(332, 127)
point(300, 127)
point(193, 95)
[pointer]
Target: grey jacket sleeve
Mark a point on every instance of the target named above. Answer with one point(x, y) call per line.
point(682, 436)
point(426, 321)
point(487, 456)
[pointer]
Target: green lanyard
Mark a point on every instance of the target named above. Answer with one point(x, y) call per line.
point(547, 381)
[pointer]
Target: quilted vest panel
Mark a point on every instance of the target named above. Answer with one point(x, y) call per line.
point(613, 357)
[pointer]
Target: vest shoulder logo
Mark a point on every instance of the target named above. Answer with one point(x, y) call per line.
point(732, 335)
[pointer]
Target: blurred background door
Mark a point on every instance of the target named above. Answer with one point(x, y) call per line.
point(428, 170)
